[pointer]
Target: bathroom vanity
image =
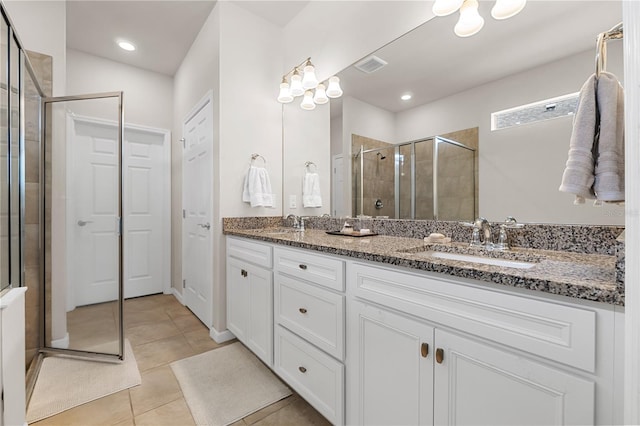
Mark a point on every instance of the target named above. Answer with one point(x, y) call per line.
point(380, 331)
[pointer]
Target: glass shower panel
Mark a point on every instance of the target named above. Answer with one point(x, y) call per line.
point(424, 179)
point(85, 309)
point(14, 136)
point(4, 159)
point(455, 181)
point(405, 179)
point(379, 183)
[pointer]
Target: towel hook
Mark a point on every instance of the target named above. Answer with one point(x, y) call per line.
point(308, 164)
point(254, 156)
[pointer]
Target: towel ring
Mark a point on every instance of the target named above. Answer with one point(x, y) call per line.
point(254, 156)
point(614, 33)
point(308, 164)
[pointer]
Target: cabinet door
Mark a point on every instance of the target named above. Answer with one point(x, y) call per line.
point(479, 384)
point(261, 311)
point(238, 308)
point(250, 307)
point(390, 368)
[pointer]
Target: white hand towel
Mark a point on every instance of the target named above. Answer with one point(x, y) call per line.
point(578, 176)
point(311, 190)
point(609, 170)
point(257, 188)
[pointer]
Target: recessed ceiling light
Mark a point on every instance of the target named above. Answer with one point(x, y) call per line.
point(126, 45)
point(405, 97)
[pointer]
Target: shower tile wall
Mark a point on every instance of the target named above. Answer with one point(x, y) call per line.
point(380, 177)
point(42, 66)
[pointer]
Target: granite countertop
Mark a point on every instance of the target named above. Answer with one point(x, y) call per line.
point(576, 275)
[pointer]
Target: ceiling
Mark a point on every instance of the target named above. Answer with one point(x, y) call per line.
point(162, 31)
point(431, 62)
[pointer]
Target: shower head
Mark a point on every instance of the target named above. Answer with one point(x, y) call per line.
point(382, 157)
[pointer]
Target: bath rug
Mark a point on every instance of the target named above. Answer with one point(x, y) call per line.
point(226, 384)
point(65, 382)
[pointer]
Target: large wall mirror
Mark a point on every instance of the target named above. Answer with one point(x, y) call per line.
point(545, 52)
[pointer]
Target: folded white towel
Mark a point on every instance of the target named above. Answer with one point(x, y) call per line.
point(578, 174)
point(257, 188)
point(311, 196)
point(609, 170)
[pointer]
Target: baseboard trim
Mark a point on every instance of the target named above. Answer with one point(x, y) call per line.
point(61, 343)
point(177, 295)
point(221, 336)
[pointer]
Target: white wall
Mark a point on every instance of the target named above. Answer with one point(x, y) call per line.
point(41, 26)
point(519, 168)
point(148, 96)
point(238, 56)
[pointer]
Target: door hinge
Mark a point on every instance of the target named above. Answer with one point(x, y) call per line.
point(184, 213)
point(184, 283)
point(183, 140)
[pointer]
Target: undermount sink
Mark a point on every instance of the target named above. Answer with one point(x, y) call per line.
point(278, 231)
point(505, 263)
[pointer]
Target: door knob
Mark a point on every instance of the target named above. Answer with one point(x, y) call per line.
point(205, 225)
point(84, 222)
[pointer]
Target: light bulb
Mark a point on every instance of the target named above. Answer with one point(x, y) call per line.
point(334, 90)
point(307, 101)
point(284, 96)
point(470, 21)
point(504, 9)
point(320, 97)
point(309, 79)
point(446, 7)
point(296, 84)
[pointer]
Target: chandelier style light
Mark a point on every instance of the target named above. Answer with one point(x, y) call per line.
point(315, 92)
point(470, 21)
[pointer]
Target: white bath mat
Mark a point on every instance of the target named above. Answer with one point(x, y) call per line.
point(65, 382)
point(226, 384)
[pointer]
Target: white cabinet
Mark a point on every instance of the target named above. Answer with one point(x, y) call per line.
point(476, 383)
point(309, 312)
point(404, 371)
point(250, 300)
point(390, 374)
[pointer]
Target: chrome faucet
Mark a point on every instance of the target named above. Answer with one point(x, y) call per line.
point(296, 224)
point(481, 236)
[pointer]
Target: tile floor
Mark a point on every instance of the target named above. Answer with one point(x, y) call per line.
point(161, 331)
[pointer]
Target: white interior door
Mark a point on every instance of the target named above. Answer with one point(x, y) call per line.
point(197, 190)
point(94, 262)
point(145, 211)
point(338, 187)
point(94, 219)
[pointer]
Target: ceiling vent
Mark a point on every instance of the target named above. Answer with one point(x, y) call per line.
point(370, 64)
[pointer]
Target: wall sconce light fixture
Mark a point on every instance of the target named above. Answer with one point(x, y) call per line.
point(305, 84)
point(470, 21)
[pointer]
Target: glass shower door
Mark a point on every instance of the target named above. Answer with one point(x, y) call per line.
point(83, 261)
point(455, 177)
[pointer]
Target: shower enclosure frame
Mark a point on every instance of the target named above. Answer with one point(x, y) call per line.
point(396, 153)
point(43, 119)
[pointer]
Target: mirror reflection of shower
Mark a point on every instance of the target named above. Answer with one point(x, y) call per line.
point(432, 178)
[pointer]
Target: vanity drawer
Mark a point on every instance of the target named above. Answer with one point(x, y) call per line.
point(316, 376)
point(316, 268)
point(256, 253)
point(313, 313)
point(556, 331)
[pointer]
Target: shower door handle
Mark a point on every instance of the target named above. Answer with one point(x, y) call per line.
point(84, 222)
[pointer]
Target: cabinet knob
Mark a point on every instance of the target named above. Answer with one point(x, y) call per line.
point(439, 355)
point(302, 266)
point(303, 310)
point(424, 350)
point(302, 369)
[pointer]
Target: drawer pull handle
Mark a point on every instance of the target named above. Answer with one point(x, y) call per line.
point(303, 266)
point(302, 369)
point(302, 310)
point(439, 355)
point(424, 350)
